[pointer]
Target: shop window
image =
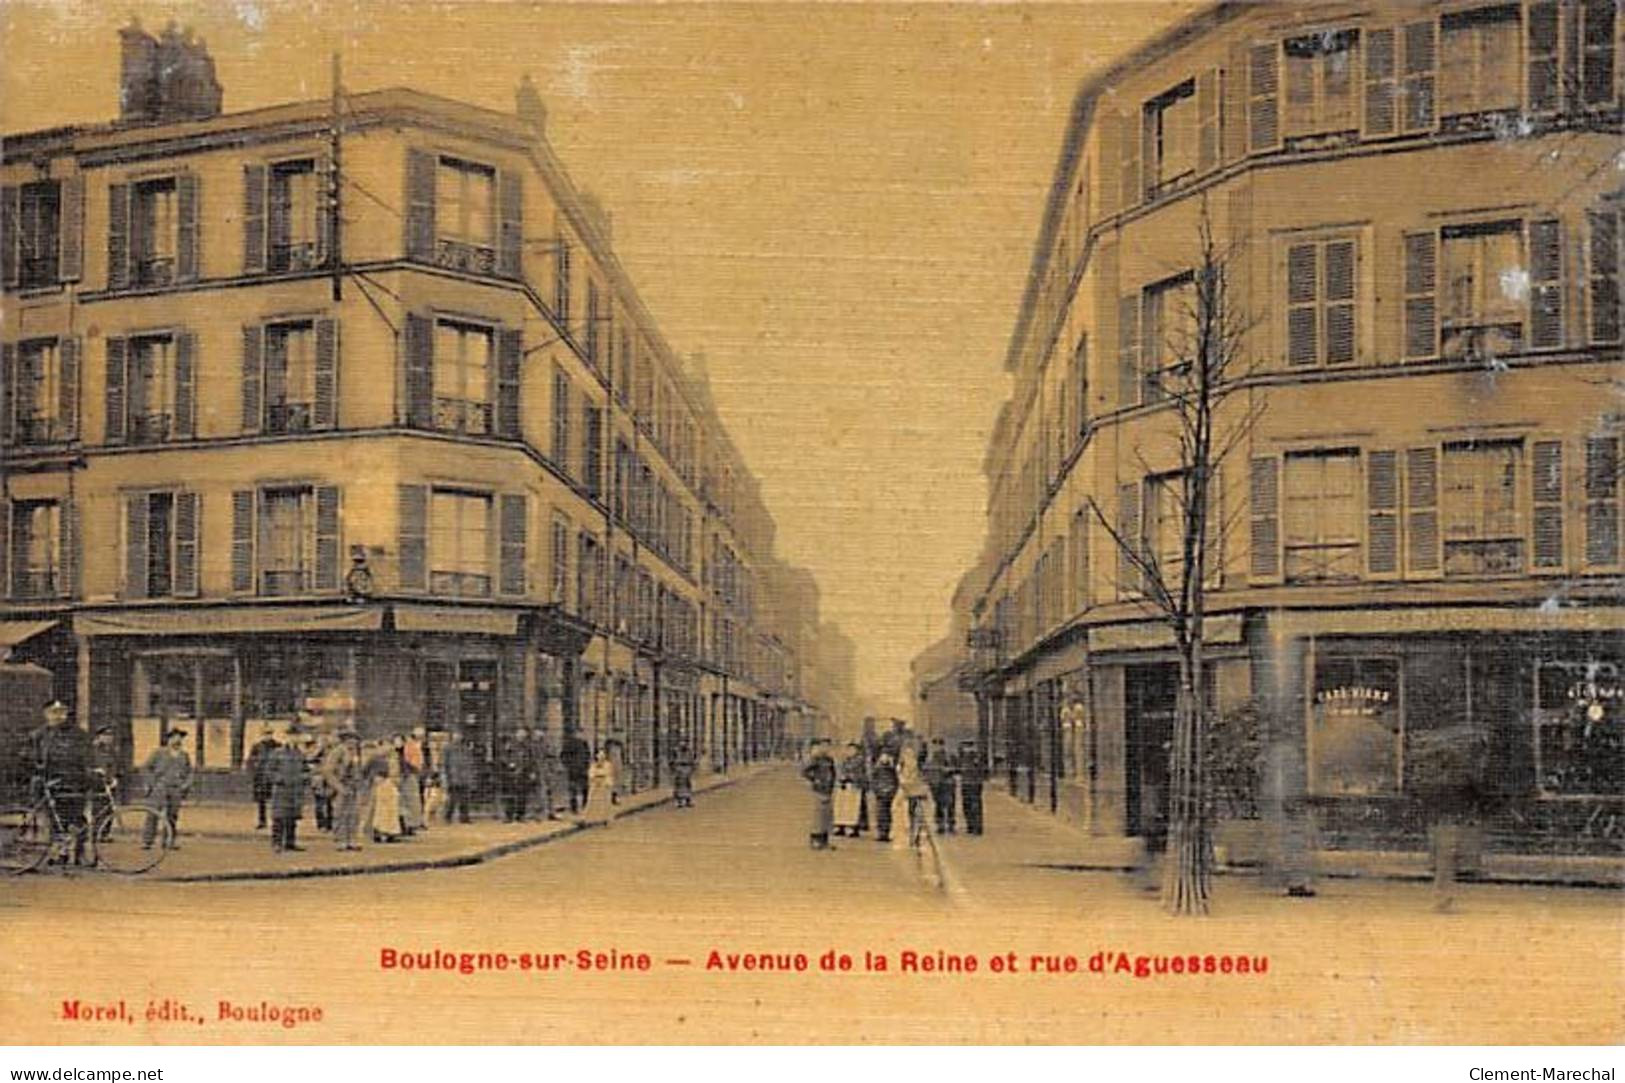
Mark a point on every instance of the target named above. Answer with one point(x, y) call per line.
point(282, 677)
point(1479, 60)
point(1321, 516)
point(1319, 82)
point(1355, 740)
point(462, 377)
point(294, 202)
point(459, 543)
point(1580, 728)
point(199, 690)
point(1485, 292)
point(1483, 518)
point(1170, 133)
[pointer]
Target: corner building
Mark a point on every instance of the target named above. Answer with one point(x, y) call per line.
point(1419, 207)
point(424, 456)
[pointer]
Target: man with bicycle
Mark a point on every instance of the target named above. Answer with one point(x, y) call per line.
point(62, 762)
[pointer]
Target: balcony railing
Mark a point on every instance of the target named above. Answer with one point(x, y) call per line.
point(39, 430)
point(1494, 556)
point(462, 256)
point(460, 584)
point(149, 428)
point(43, 582)
point(36, 271)
point(1478, 341)
point(287, 417)
point(155, 270)
point(462, 415)
point(300, 256)
point(284, 582)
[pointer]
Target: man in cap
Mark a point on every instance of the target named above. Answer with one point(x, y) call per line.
point(104, 765)
point(169, 779)
point(972, 776)
point(285, 771)
point(820, 775)
point(458, 774)
point(62, 756)
point(342, 771)
point(259, 773)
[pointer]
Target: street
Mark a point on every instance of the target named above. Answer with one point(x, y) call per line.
point(1366, 961)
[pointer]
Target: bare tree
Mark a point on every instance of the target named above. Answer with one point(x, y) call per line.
point(1198, 389)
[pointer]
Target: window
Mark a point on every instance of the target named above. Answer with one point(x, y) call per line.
point(1597, 44)
point(1170, 124)
point(1579, 722)
point(1356, 729)
point(1321, 516)
point(152, 388)
point(589, 573)
point(1320, 80)
point(294, 205)
point(1170, 332)
point(1479, 60)
point(1603, 479)
point(40, 394)
point(594, 318)
point(561, 561)
point(561, 283)
point(1603, 272)
point(592, 447)
point(561, 420)
point(155, 231)
point(279, 677)
point(286, 541)
point(464, 203)
point(462, 378)
point(1320, 308)
point(39, 228)
point(1482, 518)
point(1164, 537)
point(1484, 289)
point(459, 543)
point(36, 549)
point(290, 376)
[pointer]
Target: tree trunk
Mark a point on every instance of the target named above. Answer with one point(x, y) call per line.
point(1188, 865)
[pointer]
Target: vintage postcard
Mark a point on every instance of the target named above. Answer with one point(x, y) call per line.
point(810, 523)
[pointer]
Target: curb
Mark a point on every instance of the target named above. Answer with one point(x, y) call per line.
point(450, 861)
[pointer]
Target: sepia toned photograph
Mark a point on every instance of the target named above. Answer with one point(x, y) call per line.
point(817, 524)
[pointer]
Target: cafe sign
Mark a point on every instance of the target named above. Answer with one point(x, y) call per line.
point(1355, 699)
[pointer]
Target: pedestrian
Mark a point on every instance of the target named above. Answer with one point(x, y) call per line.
point(854, 775)
point(972, 777)
point(457, 776)
point(884, 786)
point(104, 781)
point(682, 776)
point(168, 772)
point(259, 774)
point(342, 772)
point(945, 783)
point(912, 785)
point(542, 758)
point(383, 770)
point(410, 752)
point(62, 756)
point(599, 804)
point(286, 770)
point(426, 769)
point(819, 771)
point(515, 779)
point(434, 797)
point(576, 758)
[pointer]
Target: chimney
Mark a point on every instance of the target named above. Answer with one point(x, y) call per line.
point(138, 75)
point(166, 79)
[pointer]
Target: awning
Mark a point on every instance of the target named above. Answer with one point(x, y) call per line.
point(1154, 635)
point(230, 620)
point(13, 632)
point(459, 620)
point(1436, 619)
point(1074, 656)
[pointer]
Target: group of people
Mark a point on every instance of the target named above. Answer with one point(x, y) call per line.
point(897, 776)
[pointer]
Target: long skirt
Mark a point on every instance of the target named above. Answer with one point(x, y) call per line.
point(411, 803)
point(848, 806)
point(386, 808)
point(599, 810)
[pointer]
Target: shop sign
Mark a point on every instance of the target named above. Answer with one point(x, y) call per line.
point(1355, 699)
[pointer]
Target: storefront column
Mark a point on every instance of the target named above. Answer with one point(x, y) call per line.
point(1280, 668)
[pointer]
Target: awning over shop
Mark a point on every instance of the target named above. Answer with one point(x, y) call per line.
point(1154, 635)
point(13, 632)
point(1437, 620)
point(1074, 656)
point(458, 620)
point(230, 620)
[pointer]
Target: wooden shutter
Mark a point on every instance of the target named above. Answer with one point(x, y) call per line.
point(1264, 513)
point(1382, 514)
point(1421, 307)
point(1603, 267)
point(1542, 87)
point(1418, 107)
point(254, 177)
point(187, 521)
point(135, 545)
point(515, 517)
point(413, 511)
point(1303, 304)
point(1131, 188)
point(1263, 97)
point(242, 541)
point(511, 229)
point(118, 236)
point(420, 209)
point(1233, 110)
point(1599, 52)
point(1381, 83)
point(5, 547)
point(1422, 557)
point(327, 537)
point(1602, 501)
point(1337, 293)
point(1128, 540)
point(253, 376)
point(419, 376)
point(11, 217)
point(1546, 500)
point(1128, 350)
point(70, 548)
point(8, 392)
point(1209, 111)
point(71, 229)
point(188, 253)
point(510, 352)
point(185, 424)
point(1546, 286)
point(324, 413)
point(118, 351)
point(69, 352)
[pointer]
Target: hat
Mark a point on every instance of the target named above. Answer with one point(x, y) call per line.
point(348, 734)
point(56, 705)
point(104, 731)
point(175, 733)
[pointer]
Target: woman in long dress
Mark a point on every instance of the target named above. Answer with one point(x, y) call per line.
point(386, 796)
point(600, 790)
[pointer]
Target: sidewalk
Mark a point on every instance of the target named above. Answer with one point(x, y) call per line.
point(1054, 842)
point(218, 841)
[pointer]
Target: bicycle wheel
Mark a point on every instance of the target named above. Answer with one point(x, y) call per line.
point(25, 838)
point(121, 840)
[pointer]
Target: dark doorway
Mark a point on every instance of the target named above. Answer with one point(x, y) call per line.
point(1150, 696)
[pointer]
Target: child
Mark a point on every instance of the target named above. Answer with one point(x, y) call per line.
point(434, 798)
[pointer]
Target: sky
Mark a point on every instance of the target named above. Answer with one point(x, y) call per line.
point(834, 203)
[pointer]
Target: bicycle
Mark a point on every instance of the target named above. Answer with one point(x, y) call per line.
point(117, 837)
